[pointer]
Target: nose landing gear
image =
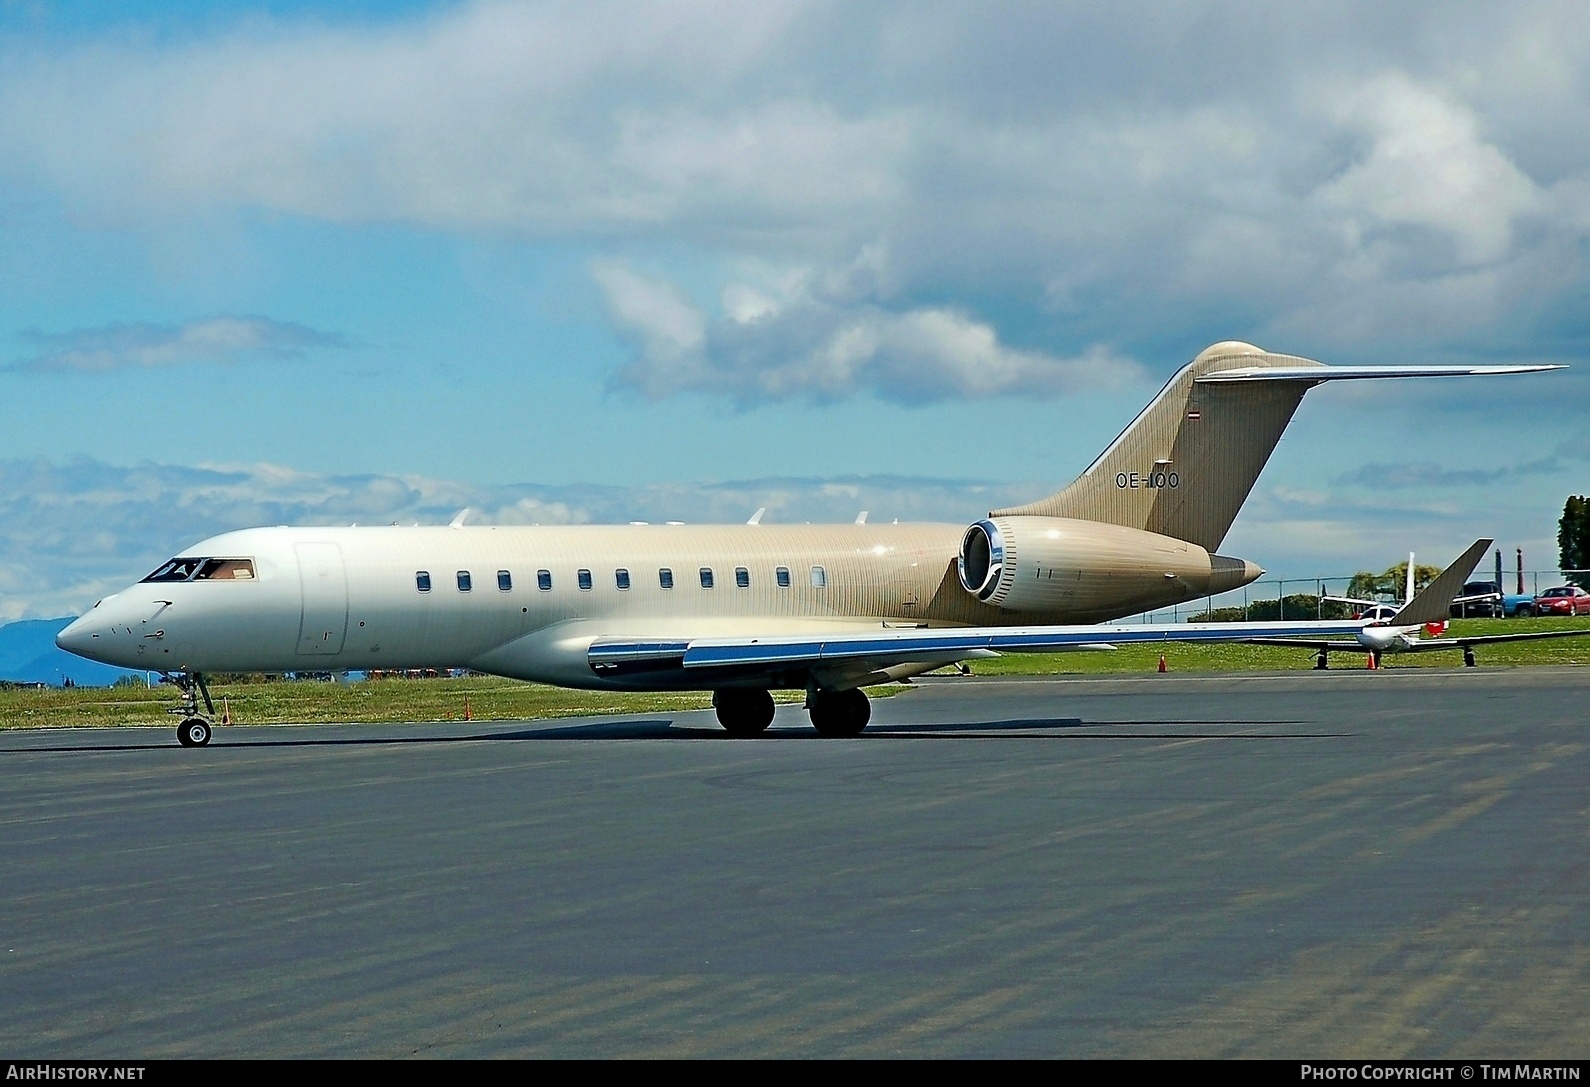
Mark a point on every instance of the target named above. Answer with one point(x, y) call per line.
point(194, 731)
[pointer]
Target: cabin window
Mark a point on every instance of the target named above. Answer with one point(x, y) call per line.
point(819, 577)
point(544, 580)
point(584, 578)
point(621, 578)
point(465, 583)
point(226, 570)
point(742, 577)
point(706, 577)
point(665, 578)
point(505, 581)
point(422, 580)
point(782, 576)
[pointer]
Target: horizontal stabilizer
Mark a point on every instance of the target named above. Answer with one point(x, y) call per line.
point(1435, 600)
point(1315, 374)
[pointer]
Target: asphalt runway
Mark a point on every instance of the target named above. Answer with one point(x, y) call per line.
point(1346, 864)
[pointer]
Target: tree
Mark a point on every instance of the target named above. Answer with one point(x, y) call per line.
point(1573, 539)
point(1391, 583)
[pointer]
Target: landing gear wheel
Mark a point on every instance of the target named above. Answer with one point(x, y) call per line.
point(743, 712)
point(1321, 662)
point(194, 732)
point(839, 713)
point(1468, 657)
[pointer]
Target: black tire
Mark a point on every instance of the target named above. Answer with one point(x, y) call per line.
point(194, 732)
point(839, 713)
point(1523, 611)
point(743, 712)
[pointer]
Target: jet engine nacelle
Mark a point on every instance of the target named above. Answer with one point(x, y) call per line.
point(1057, 564)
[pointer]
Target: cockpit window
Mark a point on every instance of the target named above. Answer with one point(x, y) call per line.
point(184, 569)
point(226, 570)
point(176, 570)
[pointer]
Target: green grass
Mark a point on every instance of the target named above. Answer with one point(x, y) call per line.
point(490, 699)
point(309, 702)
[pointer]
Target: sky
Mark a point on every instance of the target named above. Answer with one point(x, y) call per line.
point(286, 262)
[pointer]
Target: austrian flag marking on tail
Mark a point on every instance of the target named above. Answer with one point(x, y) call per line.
point(1194, 413)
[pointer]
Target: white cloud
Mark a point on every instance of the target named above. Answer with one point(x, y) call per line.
point(1427, 165)
point(1343, 176)
point(211, 340)
point(812, 341)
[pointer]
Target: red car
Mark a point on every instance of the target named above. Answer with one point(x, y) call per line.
point(1563, 600)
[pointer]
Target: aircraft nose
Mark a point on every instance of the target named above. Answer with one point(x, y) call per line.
point(76, 636)
point(89, 636)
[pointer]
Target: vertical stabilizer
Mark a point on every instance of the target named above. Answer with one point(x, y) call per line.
point(1185, 465)
point(1433, 603)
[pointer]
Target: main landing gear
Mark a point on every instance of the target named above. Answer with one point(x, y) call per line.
point(194, 731)
point(745, 712)
point(838, 713)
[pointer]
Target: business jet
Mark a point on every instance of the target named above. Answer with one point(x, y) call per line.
point(742, 610)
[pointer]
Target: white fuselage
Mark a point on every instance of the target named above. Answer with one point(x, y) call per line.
point(536, 597)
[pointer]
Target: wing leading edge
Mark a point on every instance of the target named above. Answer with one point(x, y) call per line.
point(888, 646)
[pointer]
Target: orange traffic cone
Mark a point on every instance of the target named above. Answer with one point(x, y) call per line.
point(1370, 661)
point(1162, 667)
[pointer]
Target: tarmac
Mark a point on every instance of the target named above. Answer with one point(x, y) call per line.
point(1347, 864)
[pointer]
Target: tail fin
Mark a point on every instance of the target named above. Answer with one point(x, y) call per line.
point(1436, 598)
point(1185, 465)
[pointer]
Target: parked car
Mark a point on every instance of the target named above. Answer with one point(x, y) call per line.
point(1486, 598)
point(1563, 600)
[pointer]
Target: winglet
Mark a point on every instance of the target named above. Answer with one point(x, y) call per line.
point(458, 521)
point(756, 518)
point(1436, 598)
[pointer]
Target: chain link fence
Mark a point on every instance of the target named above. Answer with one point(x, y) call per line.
point(1310, 598)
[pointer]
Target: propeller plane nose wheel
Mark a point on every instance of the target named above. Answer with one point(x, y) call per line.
point(839, 713)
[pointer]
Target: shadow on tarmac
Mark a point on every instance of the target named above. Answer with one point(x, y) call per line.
point(1051, 728)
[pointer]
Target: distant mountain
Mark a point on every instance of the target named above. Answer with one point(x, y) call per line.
point(28, 655)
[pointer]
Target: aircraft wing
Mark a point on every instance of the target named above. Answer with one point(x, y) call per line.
point(855, 651)
point(1305, 643)
point(856, 654)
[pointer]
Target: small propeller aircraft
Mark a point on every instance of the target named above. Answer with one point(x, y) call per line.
point(1419, 626)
